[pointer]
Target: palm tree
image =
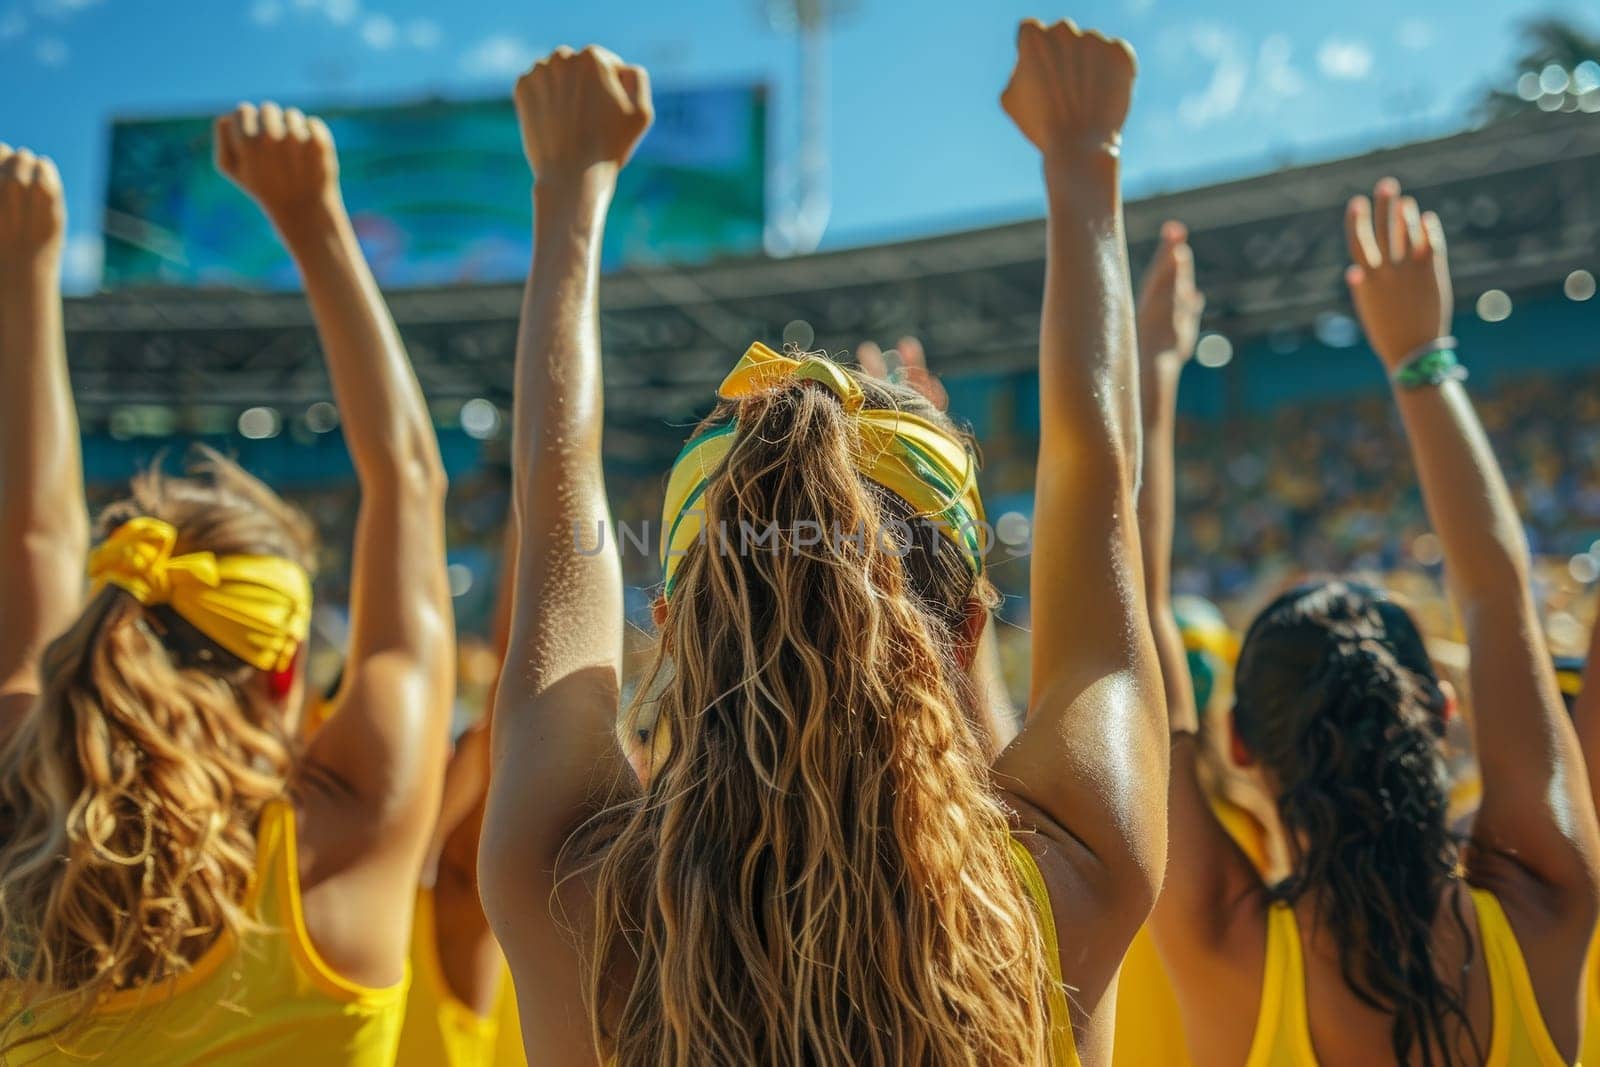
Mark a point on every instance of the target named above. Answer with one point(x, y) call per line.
point(1549, 42)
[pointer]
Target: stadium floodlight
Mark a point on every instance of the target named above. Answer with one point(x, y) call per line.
point(480, 419)
point(805, 199)
point(1213, 351)
point(1494, 305)
point(259, 423)
point(1579, 286)
point(460, 577)
point(322, 417)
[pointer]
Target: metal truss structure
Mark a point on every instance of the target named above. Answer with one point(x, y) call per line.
point(1521, 200)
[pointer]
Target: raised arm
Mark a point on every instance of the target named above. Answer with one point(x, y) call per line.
point(1092, 756)
point(44, 523)
point(384, 751)
point(468, 953)
point(1191, 917)
point(1169, 323)
point(1536, 808)
point(554, 741)
point(1586, 711)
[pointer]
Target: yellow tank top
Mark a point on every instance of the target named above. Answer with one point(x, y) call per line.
point(1283, 1028)
point(1149, 1025)
point(263, 999)
point(508, 1051)
point(1590, 1048)
point(440, 1030)
point(1063, 1050)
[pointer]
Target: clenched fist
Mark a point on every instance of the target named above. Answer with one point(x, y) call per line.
point(1070, 89)
point(582, 109)
point(283, 159)
point(32, 212)
point(1400, 278)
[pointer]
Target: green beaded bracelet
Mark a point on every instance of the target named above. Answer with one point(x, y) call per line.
point(1433, 367)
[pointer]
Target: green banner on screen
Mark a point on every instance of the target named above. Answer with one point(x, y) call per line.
point(439, 193)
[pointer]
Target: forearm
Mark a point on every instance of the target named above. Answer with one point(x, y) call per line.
point(1089, 397)
point(1470, 508)
point(1156, 510)
point(41, 467)
point(558, 377)
point(568, 571)
point(385, 417)
point(1586, 709)
point(1158, 483)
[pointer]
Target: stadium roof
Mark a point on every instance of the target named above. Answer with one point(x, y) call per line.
point(1520, 199)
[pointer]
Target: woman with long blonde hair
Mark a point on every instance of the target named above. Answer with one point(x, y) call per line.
point(180, 881)
point(823, 863)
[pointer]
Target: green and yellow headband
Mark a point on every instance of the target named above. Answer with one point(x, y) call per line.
point(913, 458)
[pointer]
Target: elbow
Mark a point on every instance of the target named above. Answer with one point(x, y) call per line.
point(514, 880)
point(52, 537)
point(1144, 870)
point(415, 469)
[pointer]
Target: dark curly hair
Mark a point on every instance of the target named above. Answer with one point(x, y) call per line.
point(1337, 699)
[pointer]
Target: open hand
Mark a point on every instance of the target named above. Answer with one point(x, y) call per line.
point(33, 214)
point(1169, 304)
point(282, 158)
point(912, 369)
point(1070, 89)
point(1400, 277)
point(582, 109)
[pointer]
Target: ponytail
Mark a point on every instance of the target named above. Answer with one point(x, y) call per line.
point(130, 793)
point(1352, 739)
point(819, 870)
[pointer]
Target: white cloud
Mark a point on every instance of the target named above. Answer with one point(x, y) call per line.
point(1344, 59)
point(341, 12)
point(266, 12)
point(1415, 34)
point(1276, 74)
point(379, 32)
point(1138, 7)
point(81, 261)
point(1230, 73)
point(422, 33)
point(62, 8)
point(51, 51)
point(12, 25)
point(500, 54)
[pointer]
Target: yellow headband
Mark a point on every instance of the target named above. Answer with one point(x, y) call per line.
point(256, 607)
point(913, 458)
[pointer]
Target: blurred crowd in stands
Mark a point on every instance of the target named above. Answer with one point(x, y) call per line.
point(1313, 487)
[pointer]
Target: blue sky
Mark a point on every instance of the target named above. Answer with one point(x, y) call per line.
point(919, 145)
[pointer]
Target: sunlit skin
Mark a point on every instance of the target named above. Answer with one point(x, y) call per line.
point(44, 524)
point(369, 789)
point(368, 785)
point(1534, 840)
point(1087, 771)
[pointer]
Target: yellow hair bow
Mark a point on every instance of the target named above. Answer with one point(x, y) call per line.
point(913, 458)
point(256, 607)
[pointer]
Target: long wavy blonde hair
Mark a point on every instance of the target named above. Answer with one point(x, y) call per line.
point(129, 795)
point(817, 872)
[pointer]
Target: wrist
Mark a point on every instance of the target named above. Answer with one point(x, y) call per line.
point(1165, 360)
point(299, 221)
point(1092, 157)
point(596, 181)
point(39, 263)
